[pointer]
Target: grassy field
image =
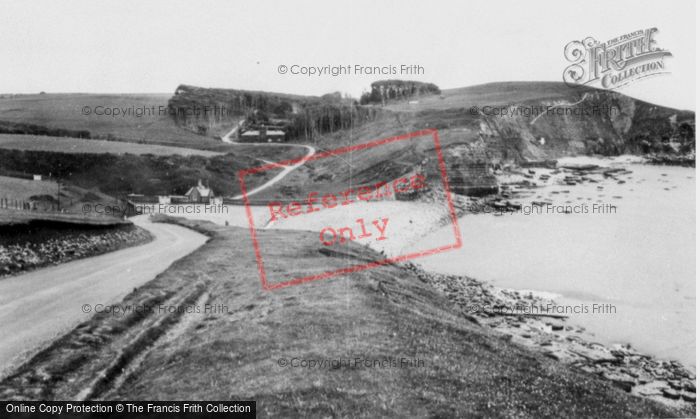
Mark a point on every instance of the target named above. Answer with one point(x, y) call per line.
point(492, 94)
point(22, 189)
point(78, 145)
point(273, 153)
point(462, 369)
point(119, 174)
point(49, 197)
point(65, 110)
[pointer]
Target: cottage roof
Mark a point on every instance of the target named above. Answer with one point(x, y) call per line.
point(203, 190)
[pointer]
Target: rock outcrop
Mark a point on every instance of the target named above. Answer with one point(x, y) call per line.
point(590, 122)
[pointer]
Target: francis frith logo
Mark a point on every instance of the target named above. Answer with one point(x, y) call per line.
point(616, 62)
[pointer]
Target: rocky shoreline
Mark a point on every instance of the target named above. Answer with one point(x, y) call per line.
point(524, 319)
point(527, 319)
point(518, 184)
point(685, 160)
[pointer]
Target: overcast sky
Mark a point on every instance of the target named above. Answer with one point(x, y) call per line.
point(119, 46)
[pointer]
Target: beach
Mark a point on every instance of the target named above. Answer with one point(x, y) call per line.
point(634, 253)
point(590, 296)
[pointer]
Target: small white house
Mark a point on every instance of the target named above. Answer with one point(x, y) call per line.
point(37, 177)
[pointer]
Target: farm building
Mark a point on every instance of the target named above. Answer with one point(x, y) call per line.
point(262, 135)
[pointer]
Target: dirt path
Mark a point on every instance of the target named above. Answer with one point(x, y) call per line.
point(285, 170)
point(41, 305)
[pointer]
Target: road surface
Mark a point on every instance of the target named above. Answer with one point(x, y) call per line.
point(39, 306)
point(285, 169)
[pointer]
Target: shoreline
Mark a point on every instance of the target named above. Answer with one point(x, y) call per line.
point(650, 377)
point(468, 370)
point(504, 310)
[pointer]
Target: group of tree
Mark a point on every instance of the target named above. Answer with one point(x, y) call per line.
point(326, 117)
point(387, 90)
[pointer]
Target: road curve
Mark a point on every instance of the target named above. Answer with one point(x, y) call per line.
point(41, 305)
point(285, 170)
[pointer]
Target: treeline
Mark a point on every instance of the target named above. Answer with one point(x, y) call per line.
point(7, 127)
point(387, 90)
point(231, 102)
point(324, 118)
point(199, 109)
point(301, 117)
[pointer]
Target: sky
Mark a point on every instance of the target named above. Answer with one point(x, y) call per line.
point(153, 46)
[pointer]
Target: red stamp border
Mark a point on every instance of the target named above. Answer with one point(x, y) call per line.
point(355, 268)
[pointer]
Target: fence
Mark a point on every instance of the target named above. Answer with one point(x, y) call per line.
point(21, 204)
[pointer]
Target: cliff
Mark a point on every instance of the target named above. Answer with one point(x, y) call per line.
point(486, 125)
point(563, 121)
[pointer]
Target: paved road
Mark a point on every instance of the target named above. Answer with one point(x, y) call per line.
point(285, 169)
point(39, 306)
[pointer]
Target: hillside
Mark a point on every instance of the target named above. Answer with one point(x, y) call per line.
point(92, 146)
point(500, 93)
point(496, 123)
point(121, 174)
point(144, 117)
point(61, 115)
point(302, 118)
point(234, 105)
point(504, 127)
point(504, 118)
point(48, 134)
point(459, 368)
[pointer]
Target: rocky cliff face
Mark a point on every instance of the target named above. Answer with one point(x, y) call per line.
point(599, 122)
point(469, 171)
point(487, 127)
